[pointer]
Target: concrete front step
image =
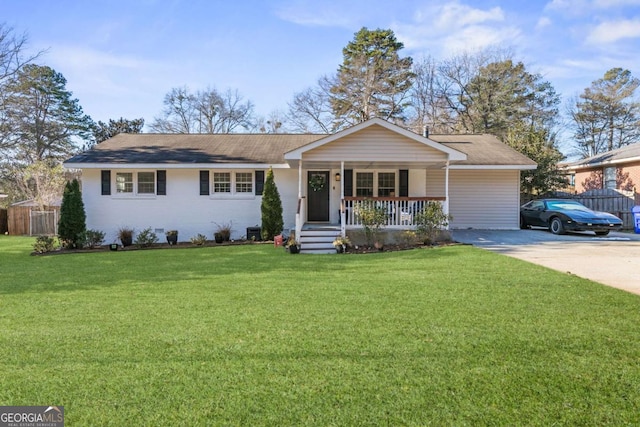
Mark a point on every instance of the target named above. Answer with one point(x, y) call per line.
point(318, 240)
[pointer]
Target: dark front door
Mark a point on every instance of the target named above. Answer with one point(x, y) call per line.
point(318, 196)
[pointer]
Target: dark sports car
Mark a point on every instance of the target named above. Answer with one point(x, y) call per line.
point(562, 215)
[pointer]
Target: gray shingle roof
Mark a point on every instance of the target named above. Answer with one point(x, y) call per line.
point(628, 152)
point(193, 148)
point(483, 149)
point(261, 149)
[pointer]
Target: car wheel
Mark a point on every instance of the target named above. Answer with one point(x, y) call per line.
point(602, 233)
point(556, 226)
point(523, 223)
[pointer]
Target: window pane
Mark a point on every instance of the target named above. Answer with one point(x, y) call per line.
point(386, 183)
point(222, 182)
point(364, 184)
point(146, 183)
point(244, 182)
point(124, 182)
point(610, 178)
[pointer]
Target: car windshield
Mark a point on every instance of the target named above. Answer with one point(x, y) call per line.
point(566, 205)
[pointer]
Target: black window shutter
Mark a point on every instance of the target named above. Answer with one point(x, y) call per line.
point(348, 182)
point(259, 182)
point(204, 183)
point(105, 177)
point(161, 178)
point(404, 183)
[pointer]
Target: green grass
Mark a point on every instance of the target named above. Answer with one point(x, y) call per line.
point(250, 335)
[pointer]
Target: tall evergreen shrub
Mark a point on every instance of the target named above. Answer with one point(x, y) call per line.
point(271, 208)
point(72, 225)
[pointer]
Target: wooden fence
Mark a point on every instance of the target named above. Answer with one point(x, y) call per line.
point(31, 220)
point(617, 202)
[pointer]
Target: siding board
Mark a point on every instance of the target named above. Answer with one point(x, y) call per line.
point(484, 199)
point(373, 144)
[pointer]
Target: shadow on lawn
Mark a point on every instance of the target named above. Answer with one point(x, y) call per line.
point(232, 265)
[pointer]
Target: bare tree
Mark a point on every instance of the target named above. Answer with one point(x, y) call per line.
point(310, 110)
point(428, 110)
point(179, 113)
point(12, 52)
point(206, 111)
point(275, 122)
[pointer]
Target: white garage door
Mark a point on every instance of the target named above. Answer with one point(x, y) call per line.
point(484, 199)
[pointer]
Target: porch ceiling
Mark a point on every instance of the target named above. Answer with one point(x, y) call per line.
point(316, 164)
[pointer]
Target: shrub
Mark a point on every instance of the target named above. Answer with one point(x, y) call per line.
point(271, 209)
point(372, 216)
point(224, 230)
point(93, 238)
point(44, 244)
point(72, 224)
point(199, 240)
point(430, 220)
point(146, 238)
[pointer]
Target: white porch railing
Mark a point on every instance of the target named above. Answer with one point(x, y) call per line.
point(400, 211)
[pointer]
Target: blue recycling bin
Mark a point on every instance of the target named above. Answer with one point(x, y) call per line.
point(636, 218)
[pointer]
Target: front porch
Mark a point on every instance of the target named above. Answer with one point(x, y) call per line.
point(400, 214)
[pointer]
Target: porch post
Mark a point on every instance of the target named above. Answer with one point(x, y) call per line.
point(445, 207)
point(343, 226)
point(300, 208)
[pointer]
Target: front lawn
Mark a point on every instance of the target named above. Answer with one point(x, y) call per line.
point(250, 335)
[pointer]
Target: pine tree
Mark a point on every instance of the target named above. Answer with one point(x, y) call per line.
point(72, 224)
point(271, 209)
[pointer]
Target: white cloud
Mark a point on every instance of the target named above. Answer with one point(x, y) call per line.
point(576, 7)
point(612, 31)
point(453, 27)
point(543, 22)
point(322, 13)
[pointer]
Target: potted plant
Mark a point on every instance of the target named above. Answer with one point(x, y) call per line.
point(125, 234)
point(293, 246)
point(341, 243)
point(172, 237)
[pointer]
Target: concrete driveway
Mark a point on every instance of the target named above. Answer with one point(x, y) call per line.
point(613, 260)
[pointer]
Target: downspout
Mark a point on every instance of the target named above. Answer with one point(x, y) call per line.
point(446, 192)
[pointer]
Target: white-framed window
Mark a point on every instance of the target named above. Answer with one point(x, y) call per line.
point(364, 184)
point(146, 183)
point(244, 182)
point(222, 182)
point(386, 184)
point(232, 183)
point(124, 182)
point(136, 183)
point(378, 183)
point(610, 178)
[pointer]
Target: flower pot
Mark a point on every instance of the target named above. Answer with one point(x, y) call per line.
point(172, 239)
point(126, 241)
point(294, 249)
point(218, 237)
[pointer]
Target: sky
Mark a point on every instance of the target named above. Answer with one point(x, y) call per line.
point(120, 58)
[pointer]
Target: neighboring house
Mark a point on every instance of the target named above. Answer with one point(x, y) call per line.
point(192, 182)
point(618, 169)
